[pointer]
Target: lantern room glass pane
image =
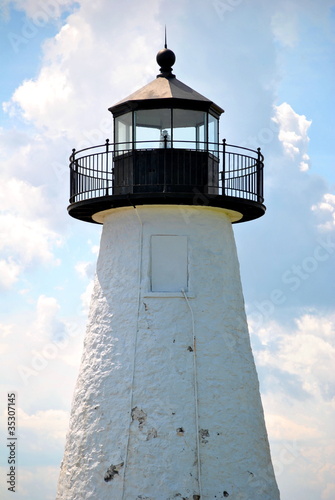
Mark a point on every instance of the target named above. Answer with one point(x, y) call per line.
point(123, 132)
point(152, 128)
point(189, 129)
point(213, 135)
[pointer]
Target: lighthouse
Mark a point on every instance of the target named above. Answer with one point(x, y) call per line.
point(167, 403)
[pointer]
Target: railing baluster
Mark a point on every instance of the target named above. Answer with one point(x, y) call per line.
point(107, 154)
point(223, 173)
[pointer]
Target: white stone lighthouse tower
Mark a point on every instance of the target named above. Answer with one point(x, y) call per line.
point(167, 402)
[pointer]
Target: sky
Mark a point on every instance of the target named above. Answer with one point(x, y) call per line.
point(270, 66)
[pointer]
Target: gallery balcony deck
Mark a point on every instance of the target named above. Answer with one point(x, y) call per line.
point(143, 173)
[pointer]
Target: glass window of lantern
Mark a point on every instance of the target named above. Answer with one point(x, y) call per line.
point(152, 128)
point(213, 134)
point(189, 129)
point(123, 133)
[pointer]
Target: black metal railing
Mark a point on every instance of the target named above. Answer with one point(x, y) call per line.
point(219, 169)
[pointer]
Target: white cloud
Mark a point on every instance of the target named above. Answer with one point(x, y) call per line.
point(283, 428)
point(298, 393)
point(296, 367)
point(293, 133)
point(50, 91)
point(74, 36)
point(46, 326)
point(95, 249)
point(285, 26)
point(82, 75)
point(40, 342)
point(21, 198)
point(307, 352)
point(85, 269)
point(329, 491)
point(26, 241)
point(9, 273)
point(86, 297)
point(26, 235)
point(326, 211)
point(41, 354)
point(46, 426)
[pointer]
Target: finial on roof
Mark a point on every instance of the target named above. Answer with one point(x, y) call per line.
point(166, 59)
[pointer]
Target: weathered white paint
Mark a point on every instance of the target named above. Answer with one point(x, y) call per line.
point(167, 402)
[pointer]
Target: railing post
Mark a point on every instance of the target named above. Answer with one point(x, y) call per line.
point(223, 173)
point(259, 177)
point(73, 161)
point(107, 178)
point(73, 175)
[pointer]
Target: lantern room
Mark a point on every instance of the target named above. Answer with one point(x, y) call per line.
point(166, 114)
point(166, 150)
point(166, 137)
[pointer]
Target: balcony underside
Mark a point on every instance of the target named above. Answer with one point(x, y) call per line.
point(86, 209)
